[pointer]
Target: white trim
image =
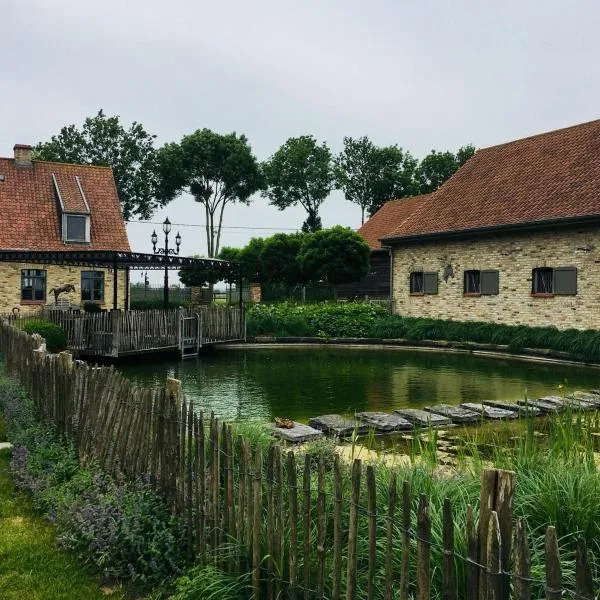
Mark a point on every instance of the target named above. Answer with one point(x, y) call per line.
point(82, 194)
point(62, 204)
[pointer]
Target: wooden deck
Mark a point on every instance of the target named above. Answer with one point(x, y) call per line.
point(126, 333)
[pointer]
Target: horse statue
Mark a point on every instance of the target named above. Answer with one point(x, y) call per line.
point(61, 289)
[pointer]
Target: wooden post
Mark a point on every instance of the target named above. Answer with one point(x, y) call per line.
point(372, 519)
point(423, 549)
point(405, 564)
point(337, 530)
point(584, 582)
point(321, 530)
point(257, 506)
point(353, 532)
point(293, 522)
point(553, 569)
point(522, 585)
point(449, 579)
point(243, 490)
point(494, 560)
point(472, 557)
point(306, 518)
point(270, 521)
point(389, 546)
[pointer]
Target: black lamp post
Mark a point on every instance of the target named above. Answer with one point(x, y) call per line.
point(166, 251)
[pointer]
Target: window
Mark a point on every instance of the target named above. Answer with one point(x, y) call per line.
point(76, 228)
point(423, 283)
point(92, 286)
point(33, 285)
point(485, 282)
point(560, 281)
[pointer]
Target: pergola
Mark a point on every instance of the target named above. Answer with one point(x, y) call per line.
point(121, 261)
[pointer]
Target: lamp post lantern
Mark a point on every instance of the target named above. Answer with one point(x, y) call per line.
point(166, 251)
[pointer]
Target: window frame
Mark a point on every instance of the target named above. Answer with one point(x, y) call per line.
point(481, 290)
point(92, 276)
point(535, 293)
point(428, 283)
point(66, 238)
point(40, 274)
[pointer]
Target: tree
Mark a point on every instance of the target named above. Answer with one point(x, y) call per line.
point(216, 169)
point(279, 258)
point(370, 176)
point(207, 274)
point(250, 257)
point(104, 141)
point(438, 167)
point(336, 255)
point(300, 172)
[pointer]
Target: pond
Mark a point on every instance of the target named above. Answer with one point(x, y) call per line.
point(300, 383)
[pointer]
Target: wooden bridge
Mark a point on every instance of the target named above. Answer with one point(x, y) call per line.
point(126, 333)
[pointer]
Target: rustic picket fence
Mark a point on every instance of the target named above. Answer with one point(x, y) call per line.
point(120, 333)
point(265, 512)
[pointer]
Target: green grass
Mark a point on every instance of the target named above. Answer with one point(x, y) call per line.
point(31, 564)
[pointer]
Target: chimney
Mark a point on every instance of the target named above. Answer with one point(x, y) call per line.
point(22, 155)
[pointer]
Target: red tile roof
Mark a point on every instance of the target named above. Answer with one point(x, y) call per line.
point(546, 177)
point(30, 213)
point(388, 218)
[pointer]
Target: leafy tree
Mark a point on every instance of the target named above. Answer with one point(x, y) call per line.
point(216, 169)
point(250, 257)
point(438, 167)
point(104, 141)
point(336, 255)
point(279, 259)
point(208, 274)
point(300, 172)
point(370, 176)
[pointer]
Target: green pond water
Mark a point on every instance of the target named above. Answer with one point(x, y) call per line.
point(300, 383)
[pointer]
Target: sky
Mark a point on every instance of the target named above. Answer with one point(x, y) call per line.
point(421, 74)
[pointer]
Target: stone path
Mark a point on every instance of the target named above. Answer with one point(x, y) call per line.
point(443, 415)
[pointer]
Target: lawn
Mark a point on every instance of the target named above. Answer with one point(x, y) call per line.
point(31, 564)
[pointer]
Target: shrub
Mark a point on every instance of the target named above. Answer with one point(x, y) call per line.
point(55, 336)
point(91, 307)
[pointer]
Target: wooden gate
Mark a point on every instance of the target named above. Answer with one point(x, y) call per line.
point(190, 334)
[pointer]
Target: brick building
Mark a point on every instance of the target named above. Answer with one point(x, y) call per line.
point(513, 237)
point(46, 206)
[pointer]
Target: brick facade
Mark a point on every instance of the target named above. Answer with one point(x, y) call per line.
point(10, 289)
point(514, 255)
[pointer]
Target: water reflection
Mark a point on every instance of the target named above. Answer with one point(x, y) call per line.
point(300, 383)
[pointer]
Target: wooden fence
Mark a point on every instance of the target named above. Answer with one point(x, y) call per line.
point(119, 333)
point(295, 525)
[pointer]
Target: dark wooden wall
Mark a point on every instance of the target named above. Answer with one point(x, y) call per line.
point(376, 285)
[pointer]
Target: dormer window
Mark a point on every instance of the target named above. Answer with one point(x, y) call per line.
point(73, 208)
point(76, 228)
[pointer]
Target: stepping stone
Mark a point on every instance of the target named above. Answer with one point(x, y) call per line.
point(299, 433)
point(456, 413)
point(385, 422)
point(595, 392)
point(543, 406)
point(569, 401)
point(491, 412)
point(528, 410)
point(338, 425)
point(588, 397)
point(422, 418)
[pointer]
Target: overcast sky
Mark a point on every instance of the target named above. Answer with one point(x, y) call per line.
point(420, 74)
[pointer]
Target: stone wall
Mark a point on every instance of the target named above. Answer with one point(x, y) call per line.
point(10, 285)
point(514, 256)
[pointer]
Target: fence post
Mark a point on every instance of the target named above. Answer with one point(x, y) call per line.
point(115, 326)
point(497, 493)
point(494, 559)
point(553, 569)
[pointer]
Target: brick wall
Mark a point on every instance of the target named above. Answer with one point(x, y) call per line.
point(514, 256)
point(10, 284)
